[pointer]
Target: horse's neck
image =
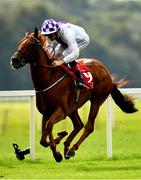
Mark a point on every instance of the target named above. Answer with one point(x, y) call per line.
point(42, 76)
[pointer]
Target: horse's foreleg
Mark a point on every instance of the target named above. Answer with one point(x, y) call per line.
point(43, 140)
point(61, 135)
point(77, 125)
point(89, 128)
point(55, 117)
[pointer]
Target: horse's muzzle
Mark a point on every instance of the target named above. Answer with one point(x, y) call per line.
point(15, 63)
point(17, 60)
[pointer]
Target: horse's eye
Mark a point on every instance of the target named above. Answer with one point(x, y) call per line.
point(32, 46)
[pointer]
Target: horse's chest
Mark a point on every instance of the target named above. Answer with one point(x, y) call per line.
point(44, 105)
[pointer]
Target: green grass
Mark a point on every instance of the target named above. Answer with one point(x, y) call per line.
point(90, 161)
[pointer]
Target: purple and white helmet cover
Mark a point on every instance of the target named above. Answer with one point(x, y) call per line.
point(49, 26)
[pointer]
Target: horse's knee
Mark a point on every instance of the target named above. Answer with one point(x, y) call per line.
point(81, 125)
point(66, 143)
point(48, 126)
point(44, 143)
point(89, 129)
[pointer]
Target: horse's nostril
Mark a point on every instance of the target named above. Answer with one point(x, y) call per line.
point(15, 62)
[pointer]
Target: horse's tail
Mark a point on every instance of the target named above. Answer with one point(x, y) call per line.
point(123, 101)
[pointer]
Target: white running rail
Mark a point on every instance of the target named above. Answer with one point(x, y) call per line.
point(110, 112)
point(30, 93)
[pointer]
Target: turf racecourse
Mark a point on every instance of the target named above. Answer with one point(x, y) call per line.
point(90, 161)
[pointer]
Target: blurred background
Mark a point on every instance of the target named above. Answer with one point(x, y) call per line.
point(113, 27)
point(115, 33)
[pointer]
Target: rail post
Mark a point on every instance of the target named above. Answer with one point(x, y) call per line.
point(32, 128)
point(109, 127)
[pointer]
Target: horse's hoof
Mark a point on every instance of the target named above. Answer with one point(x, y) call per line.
point(58, 157)
point(69, 154)
point(65, 153)
point(62, 134)
point(66, 156)
point(45, 144)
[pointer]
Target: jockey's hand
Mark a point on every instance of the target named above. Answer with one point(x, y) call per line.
point(57, 63)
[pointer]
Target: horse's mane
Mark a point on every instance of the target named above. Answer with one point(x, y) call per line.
point(42, 40)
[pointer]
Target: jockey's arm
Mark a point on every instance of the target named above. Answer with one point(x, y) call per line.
point(72, 52)
point(49, 45)
point(59, 51)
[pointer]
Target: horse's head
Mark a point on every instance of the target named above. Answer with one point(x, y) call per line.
point(28, 50)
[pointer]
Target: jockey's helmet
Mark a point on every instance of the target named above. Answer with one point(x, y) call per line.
point(49, 26)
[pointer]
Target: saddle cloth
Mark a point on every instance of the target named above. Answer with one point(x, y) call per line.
point(87, 76)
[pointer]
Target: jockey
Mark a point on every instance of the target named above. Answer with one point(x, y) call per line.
point(70, 40)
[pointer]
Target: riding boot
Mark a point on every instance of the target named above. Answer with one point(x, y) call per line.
point(75, 68)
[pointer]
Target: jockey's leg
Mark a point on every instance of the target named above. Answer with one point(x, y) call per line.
point(75, 68)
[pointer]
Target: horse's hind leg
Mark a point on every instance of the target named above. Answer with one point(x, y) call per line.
point(89, 127)
point(77, 125)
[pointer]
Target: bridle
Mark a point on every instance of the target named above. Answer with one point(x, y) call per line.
point(33, 56)
point(46, 65)
point(36, 55)
point(33, 59)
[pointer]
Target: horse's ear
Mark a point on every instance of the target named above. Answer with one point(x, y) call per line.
point(36, 32)
point(27, 34)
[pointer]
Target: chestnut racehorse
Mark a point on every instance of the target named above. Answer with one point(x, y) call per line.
point(56, 93)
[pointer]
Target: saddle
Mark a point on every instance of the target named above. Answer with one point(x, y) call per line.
point(87, 76)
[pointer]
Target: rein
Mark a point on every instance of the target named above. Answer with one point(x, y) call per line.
point(51, 86)
point(48, 66)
